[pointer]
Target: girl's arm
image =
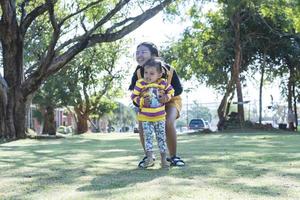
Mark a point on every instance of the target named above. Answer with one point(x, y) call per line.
point(136, 95)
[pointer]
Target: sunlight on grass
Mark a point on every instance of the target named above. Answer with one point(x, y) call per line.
point(104, 166)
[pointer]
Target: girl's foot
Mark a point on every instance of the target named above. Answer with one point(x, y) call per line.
point(142, 162)
point(147, 163)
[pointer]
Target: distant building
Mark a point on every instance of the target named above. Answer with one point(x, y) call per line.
point(34, 120)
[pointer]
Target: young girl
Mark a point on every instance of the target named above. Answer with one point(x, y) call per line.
point(146, 51)
point(147, 94)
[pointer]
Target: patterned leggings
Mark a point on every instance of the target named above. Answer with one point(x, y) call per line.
point(159, 129)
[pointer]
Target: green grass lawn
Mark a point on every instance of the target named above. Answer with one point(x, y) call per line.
point(235, 166)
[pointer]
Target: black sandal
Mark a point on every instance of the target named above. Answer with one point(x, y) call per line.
point(176, 161)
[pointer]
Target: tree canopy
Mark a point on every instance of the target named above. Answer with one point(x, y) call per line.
point(61, 30)
point(226, 45)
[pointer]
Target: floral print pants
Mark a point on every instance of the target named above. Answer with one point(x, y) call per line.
point(159, 129)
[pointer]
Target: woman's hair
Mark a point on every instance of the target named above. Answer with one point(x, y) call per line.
point(155, 62)
point(152, 48)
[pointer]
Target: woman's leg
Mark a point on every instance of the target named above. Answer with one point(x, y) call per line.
point(172, 137)
point(171, 130)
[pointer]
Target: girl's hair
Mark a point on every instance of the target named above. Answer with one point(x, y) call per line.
point(152, 48)
point(155, 62)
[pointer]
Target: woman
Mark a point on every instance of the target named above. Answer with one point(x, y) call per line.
point(146, 51)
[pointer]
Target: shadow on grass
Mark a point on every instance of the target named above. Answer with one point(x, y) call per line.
point(121, 179)
point(260, 191)
point(243, 156)
point(50, 162)
point(218, 159)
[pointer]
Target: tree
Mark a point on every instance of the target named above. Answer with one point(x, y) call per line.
point(89, 23)
point(96, 80)
point(84, 85)
point(212, 50)
point(285, 25)
point(225, 44)
point(122, 116)
point(199, 111)
point(49, 97)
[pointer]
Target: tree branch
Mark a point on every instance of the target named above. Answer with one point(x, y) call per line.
point(85, 41)
point(105, 19)
point(79, 11)
point(137, 21)
point(278, 33)
point(32, 16)
point(46, 61)
point(34, 80)
point(109, 15)
point(8, 13)
point(55, 34)
point(22, 9)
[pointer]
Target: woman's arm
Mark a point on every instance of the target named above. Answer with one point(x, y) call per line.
point(133, 81)
point(175, 82)
point(166, 94)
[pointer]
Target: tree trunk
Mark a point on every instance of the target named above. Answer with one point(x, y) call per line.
point(82, 125)
point(229, 103)
point(3, 104)
point(12, 51)
point(223, 105)
point(82, 120)
point(28, 111)
point(49, 121)
point(236, 20)
point(291, 115)
point(295, 100)
point(240, 101)
point(14, 115)
point(261, 87)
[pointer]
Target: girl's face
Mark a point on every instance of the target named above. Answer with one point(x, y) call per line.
point(151, 74)
point(142, 55)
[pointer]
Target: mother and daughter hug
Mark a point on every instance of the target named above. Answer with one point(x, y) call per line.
point(156, 90)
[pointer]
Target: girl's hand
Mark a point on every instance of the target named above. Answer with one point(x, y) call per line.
point(161, 92)
point(144, 93)
point(147, 101)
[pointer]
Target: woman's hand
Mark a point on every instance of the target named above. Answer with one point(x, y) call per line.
point(163, 99)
